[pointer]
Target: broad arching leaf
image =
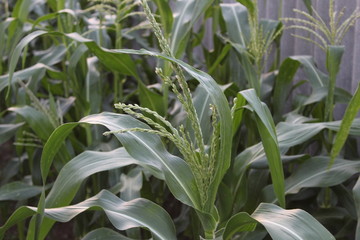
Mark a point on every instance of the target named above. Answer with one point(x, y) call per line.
point(149, 149)
point(123, 215)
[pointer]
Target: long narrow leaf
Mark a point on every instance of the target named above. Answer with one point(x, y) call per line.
point(285, 224)
point(148, 148)
point(356, 193)
point(267, 132)
point(349, 116)
point(314, 172)
point(123, 215)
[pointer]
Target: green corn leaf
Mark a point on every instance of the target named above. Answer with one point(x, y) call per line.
point(285, 224)
point(148, 148)
point(104, 233)
point(202, 101)
point(54, 15)
point(308, 5)
point(22, 9)
point(333, 61)
point(249, 5)
point(280, 223)
point(240, 222)
point(38, 69)
point(52, 146)
point(220, 58)
point(186, 13)
point(314, 172)
point(283, 85)
point(268, 136)
point(17, 191)
point(123, 215)
point(37, 121)
point(236, 19)
point(316, 77)
point(17, 52)
point(238, 113)
point(292, 134)
point(165, 14)
point(79, 168)
point(8, 130)
point(356, 194)
point(349, 116)
point(151, 99)
point(119, 62)
point(93, 85)
point(219, 100)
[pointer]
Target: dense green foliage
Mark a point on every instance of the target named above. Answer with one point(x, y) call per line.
point(117, 118)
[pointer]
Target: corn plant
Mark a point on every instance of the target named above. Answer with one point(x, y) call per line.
point(181, 156)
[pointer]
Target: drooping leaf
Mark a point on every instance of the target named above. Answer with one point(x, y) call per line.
point(280, 223)
point(316, 77)
point(17, 191)
point(104, 233)
point(285, 224)
point(79, 168)
point(119, 62)
point(37, 70)
point(149, 149)
point(314, 172)
point(123, 215)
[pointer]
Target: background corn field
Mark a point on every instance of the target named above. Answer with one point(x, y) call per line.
point(187, 119)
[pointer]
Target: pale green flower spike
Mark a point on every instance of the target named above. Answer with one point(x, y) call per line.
point(325, 34)
point(202, 164)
